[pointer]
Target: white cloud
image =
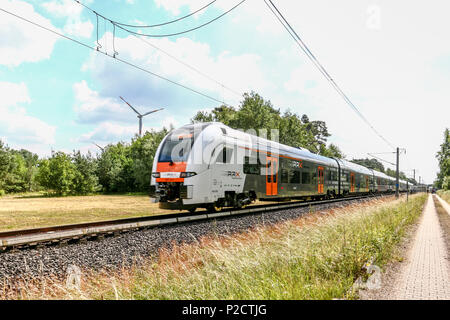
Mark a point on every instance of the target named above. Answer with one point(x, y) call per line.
point(21, 41)
point(111, 132)
point(239, 72)
point(20, 128)
point(114, 120)
point(174, 6)
point(108, 132)
point(71, 11)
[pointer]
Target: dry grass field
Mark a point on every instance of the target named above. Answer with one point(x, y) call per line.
point(26, 211)
point(317, 256)
point(33, 211)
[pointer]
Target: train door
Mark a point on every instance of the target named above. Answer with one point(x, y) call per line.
point(352, 182)
point(271, 176)
point(367, 183)
point(320, 179)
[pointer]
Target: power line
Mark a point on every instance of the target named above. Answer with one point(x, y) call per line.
point(164, 23)
point(381, 159)
point(121, 25)
point(181, 32)
point(165, 52)
point(187, 65)
point(115, 58)
point(311, 56)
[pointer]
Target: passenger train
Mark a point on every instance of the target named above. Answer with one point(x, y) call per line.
point(210, 165)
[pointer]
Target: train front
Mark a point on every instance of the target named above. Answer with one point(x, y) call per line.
point(177, 167)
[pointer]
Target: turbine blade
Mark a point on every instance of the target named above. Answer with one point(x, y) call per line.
point(151, 112)
point(130, 106)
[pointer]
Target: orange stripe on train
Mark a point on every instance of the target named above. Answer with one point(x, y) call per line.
point(170, 167)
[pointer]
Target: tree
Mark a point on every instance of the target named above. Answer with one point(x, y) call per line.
point(257, 113)
point(370, 163)
point(57, 173)
point(17, 169)
point(29, 170)
point(331, 151)
point(443, 156)
point(115, 168)
point(142, 152)
point(5, 161)
point(85, 179)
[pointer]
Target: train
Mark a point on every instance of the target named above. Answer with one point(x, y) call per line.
point(210, 165)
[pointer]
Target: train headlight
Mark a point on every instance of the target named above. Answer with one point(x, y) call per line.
point(156, 174)
point(187, 174)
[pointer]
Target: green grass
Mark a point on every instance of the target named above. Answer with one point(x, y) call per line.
point(444, 194)
point(314, 257)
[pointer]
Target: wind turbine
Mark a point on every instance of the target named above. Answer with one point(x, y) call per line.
point(140, 116)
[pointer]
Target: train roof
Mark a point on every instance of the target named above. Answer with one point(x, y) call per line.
point(281, 149)
point(288, 151)
point(354, 167)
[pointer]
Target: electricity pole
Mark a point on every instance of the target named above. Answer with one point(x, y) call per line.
point(397, 176)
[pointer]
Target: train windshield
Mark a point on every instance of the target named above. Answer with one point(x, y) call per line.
point(178, 145)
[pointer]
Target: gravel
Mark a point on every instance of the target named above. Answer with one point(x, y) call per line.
point(128, 248)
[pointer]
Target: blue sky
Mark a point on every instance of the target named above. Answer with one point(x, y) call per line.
point(392, 58)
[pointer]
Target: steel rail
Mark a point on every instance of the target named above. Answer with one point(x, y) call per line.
point(23, 239)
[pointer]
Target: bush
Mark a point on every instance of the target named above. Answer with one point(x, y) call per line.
point(57, 173)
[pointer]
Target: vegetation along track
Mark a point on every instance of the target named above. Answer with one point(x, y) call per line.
point(127, 248)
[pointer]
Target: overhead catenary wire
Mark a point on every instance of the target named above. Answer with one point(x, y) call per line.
point(119, 25)
point(180, 32)
point(381, 159)
point(322, 70)
point(163, 51)
point(115, 58)
point(164, 23)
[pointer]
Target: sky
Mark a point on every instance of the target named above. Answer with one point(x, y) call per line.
point(391, 58)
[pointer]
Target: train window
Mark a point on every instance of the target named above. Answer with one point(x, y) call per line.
point(306, 178)
point(176, 148)
point(334, 176)
point(284, 175)
point(294, 176)
point(345, 177)
point(251, 168)
point(225, 155)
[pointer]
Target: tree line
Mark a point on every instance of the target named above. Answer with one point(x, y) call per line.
point(120, 167)
point(126, 167)
point(377, 165)
point(443, 157)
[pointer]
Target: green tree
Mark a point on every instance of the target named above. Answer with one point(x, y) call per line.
point(142, 152)
point(85, 179)
point(57, 173)
point(370, 163)
point(331, 151)
point(115, 172)
point(5, 162)
point(29, 169)
point(257, 113)
point(16, 169)
point(443, 156)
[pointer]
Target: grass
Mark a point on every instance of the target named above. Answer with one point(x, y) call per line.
point(35, 210)
point(315, 257)
point(444, 194)
point(444, 220)
point(38, 209)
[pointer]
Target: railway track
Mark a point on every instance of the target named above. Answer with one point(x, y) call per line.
point(61, 235)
